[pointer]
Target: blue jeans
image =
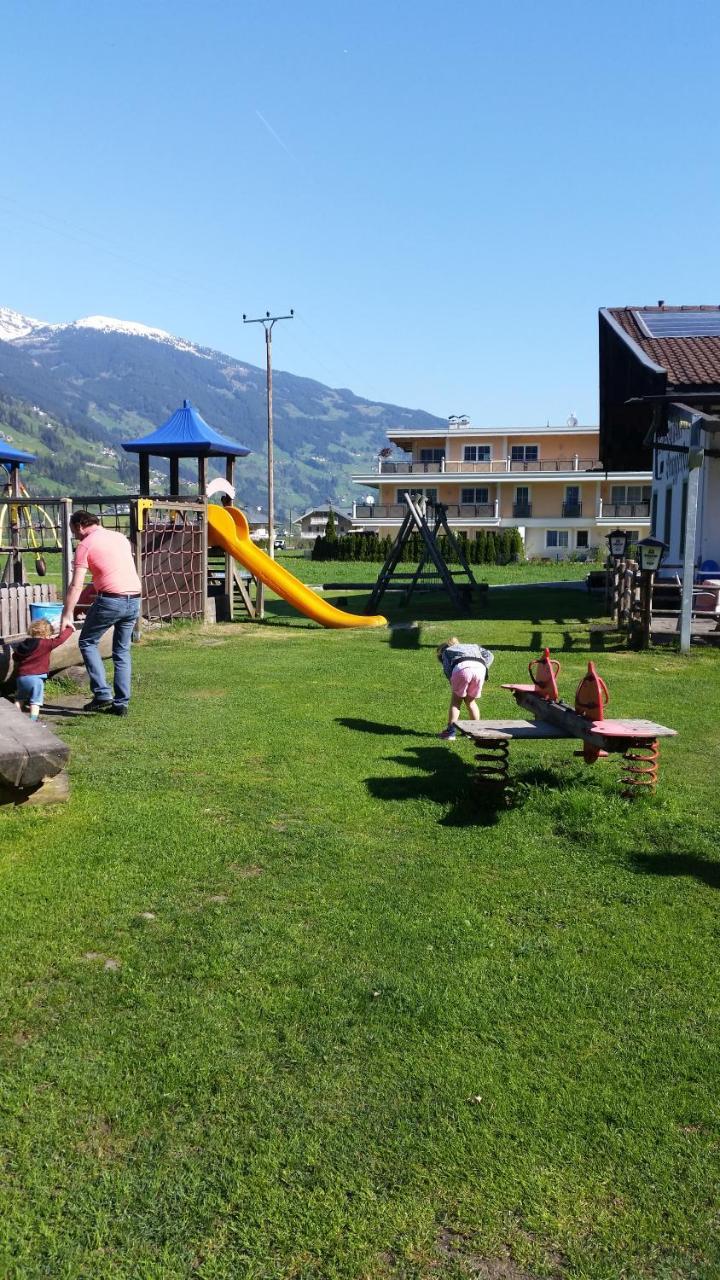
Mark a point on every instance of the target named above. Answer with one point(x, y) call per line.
point(121, 613)
point(30, 689)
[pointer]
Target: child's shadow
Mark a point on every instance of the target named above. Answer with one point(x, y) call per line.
point(446, 780)
point(376, 726)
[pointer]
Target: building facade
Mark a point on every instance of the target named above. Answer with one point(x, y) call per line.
point(549, 483)
point(660, 399)
point(312, 523)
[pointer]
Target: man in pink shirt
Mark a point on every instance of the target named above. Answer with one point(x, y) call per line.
point(108, 556)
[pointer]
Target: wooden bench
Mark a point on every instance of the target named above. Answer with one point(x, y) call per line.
point(32, 760)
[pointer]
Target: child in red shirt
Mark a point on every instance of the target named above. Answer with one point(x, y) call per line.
point(32, 661)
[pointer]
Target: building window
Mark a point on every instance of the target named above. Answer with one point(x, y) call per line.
point(523, 453)
point(667, 525)
point(556, 538)
point(583, 539)
point(432, 455)
point(477, 453)
point(522, 495)
point(474, 495)
point(429, 494)
point(631, 493)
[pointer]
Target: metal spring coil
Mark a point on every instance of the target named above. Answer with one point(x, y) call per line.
point(640, 767)
point(492, 764)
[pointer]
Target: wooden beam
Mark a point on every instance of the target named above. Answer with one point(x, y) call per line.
point(175, 477)
point(29, 752)
point(202, 475)
point(145, 475)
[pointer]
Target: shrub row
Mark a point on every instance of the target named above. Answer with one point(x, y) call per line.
point(490, 546)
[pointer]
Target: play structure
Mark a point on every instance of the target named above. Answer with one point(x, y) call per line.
point(432, 572)
point(228, 528)
point(635, 740)
point(187, 551)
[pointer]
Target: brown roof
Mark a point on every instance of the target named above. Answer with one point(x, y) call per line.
point(688, 361)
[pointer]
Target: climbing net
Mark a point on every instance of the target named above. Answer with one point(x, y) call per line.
point(173, 560)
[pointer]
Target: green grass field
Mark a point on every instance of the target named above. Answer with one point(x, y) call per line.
point(282, 999)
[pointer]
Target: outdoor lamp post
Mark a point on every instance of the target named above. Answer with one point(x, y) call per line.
point(650, 554)
point(617, 542)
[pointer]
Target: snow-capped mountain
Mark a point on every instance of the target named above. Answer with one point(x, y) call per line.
point(103, 380)
point(14, 326)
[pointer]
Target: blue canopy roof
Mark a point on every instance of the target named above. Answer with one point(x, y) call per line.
point(8, 454)
point(186, 435)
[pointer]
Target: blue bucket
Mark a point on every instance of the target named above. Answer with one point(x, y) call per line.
point(51, 612)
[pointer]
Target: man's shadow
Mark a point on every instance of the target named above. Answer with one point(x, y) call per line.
point(377, 727)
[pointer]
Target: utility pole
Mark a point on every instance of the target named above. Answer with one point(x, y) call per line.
point(268, 322)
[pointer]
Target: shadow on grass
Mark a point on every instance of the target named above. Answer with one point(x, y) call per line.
point(376, 726)
point(677, 864)
point(445, 780)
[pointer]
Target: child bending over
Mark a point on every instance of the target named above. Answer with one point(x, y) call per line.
point(32, 661)
point(466, 667)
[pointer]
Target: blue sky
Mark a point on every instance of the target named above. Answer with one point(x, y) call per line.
point(444, 193)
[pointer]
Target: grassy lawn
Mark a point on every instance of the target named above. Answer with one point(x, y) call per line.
point(282, 999)
point(367, 571)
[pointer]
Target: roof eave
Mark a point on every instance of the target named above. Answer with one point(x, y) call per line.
point(634, 346)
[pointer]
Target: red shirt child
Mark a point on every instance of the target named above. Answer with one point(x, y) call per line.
point(32, 663)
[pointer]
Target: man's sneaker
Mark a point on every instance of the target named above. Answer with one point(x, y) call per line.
point(448, 735)
point(119, 711)
point(98, 706)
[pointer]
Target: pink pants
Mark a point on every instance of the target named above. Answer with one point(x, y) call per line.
point(468, 679)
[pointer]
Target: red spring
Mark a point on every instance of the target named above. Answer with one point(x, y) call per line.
point(640, 765)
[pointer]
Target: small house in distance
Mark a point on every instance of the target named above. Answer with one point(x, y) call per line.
point(313, 522)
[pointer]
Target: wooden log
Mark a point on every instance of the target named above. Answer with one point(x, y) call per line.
point(52, 791)
point(29, 751)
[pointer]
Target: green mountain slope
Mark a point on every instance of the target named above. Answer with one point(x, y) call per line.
point(88, 389)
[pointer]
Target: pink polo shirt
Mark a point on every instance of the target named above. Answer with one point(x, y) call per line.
point(108, 556)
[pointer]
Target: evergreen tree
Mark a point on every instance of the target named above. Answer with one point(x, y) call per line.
point(330, 527)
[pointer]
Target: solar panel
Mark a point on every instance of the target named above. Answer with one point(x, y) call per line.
point(679, 324)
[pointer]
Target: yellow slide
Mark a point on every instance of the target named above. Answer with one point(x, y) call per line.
point(228, 529)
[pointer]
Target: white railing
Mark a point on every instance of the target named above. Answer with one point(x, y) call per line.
point(455, 510)
point(494, 466)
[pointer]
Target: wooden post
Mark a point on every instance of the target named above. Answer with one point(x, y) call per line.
point(646, 590)
point(145, 475)
point(136, 541)
point(174, 477)
point(206, 598)
point(618, 570)
point(202, 477)
point(66, 552)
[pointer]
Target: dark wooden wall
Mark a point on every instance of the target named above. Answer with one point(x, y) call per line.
point(624, 427)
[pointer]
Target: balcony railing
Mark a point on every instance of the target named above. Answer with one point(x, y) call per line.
point(455, 511)
point(494, 466)
point(572, 510)
point(625, 510)
point(522, 510)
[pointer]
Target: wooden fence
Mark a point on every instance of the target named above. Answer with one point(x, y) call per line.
point(15, 604)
